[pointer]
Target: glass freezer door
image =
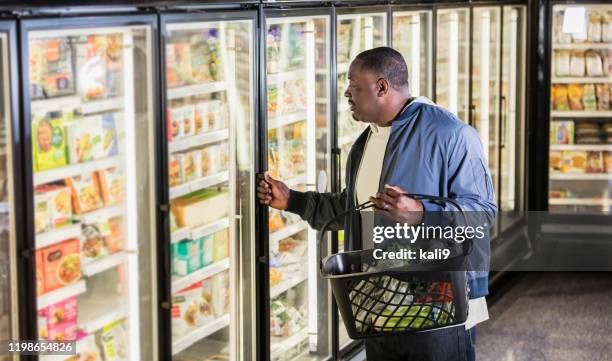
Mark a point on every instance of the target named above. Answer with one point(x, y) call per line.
point(90, 111)
point(8, 304)
point(209, 117)
point(452, 61)
point(412, 37)
point(580, 159)
point(297, 68)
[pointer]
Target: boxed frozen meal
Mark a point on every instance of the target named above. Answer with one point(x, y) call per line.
point(42, 212)
point(85, 193)
point(175, 122)
point(577, 161)
point(41, 320)
point(112, 185)
point(559, 97)
point(199, 61)
point(62, 264)
point(221, 245)
point(172, 78)
point(589, 101)
point(66, 331)
point(594, 28)
point(200, 207)
point(186, 257)
point(187, 166)
point(595, 162)
point(190, 310)
point(87, 349)
point(207, 294)
point(201, 117)
point(63, 311)
point(594, 63)
point(556, 160)
point(91, 68)
point(55, 60)
point(607, 161)
point(115, 240)
point(60, 204)
point(207, 246)
point(575, 92)
point(174, 171)
point(562, 132)
point(603, 97)
point(182, 52)
point(84, 139)
point(188, 124)
point(220, 296)
point(115, 342)
point(562, 62)
point(49, 142)
point(110, 144)
point(93, 245)
point(577, 63)
point(40, 268)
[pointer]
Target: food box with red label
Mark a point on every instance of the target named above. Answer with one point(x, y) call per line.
point(62, 264)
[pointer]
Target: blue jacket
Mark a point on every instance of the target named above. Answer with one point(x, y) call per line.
point(430, 151)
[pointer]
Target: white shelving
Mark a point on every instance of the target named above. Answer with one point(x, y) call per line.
point(97, 316)
point(72, 170)
point(580, 114)
point(104, 263)
point(582, 46)
point(287, 284)
point(200, 333)
point(76, 103)
point(580, 202)
point(287, 231)
point(281, 347)
point(581, 80)
point(583, 147)
point(102, 213)
point(61, 294)
point(285, 76)
point(198, 140)
point(199, 184)
point(180, 283)
point(283, 120)
point(58, 235)
point(578, 176)
point(200, 231)
point(195, 90)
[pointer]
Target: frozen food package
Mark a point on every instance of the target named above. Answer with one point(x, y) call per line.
point(606, 27)
point(40, 267)
point(594, 64)
point(594, 27)
point(182, 52)
point(194, 209)
point(84, 139)
point(589, 101)
point(607, 161)
point(85, 193)
point(62, 264)
point(586, 128)
point(175, 121)
point(197, 163)
point(577, 161)
point(575, 93)
point(603, 97)
point(214, 61)
point(562, 132)
point(221, 245)
point(200, 60)
point(110, 144)
point(224, 157)
point(220, 297)
point(172, 77)
point(115, 240)
point(91, 67)
point(186, 258)
point(93, 245)
point(187, 164)
point(207, 295)
point(595, 162)
point(60, 204)
point(607, 62)
point(607, 128)
point(51, 63)
point(588, 139)
point(49, 142)
point(214, 155)
point(65, 331)
point(174, 171)
point(88, 350)
point(42, 212)
point(207, 246)
point(62, 311)
point(186, 311)
point(112, 185)
point(577, 63)
point(215, 119)
point(205, 162)
point(559, 97)
point(201, 118)
point(115, 342)
point(188, 124)
point(41, 320)
point(562, 62)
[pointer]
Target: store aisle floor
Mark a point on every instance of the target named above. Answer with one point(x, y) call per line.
point(550, 317)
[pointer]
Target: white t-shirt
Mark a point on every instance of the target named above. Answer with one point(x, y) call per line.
point(366, 186)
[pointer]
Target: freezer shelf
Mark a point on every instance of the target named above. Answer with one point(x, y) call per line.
point(68, 171)
point(580, 114)
point(199, 334)
point(195, 90)
point(586, 176)
point(581, 80)
point(280, 347)
point(283, 120)
point(58, 235)
point(580, 202)
point(102, 213)
point(104, 263)
point(60, 294)
point(582, 46)
point(287, 231)
point(287, 284)
point(97, 313)
point(76, 103)
point(198, 184)
point(208, 271)
point(198, 140)
point(198, 232)
point(581, 147)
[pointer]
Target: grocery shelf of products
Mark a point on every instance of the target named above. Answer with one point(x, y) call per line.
point(581, 112)
point(201, 81)
point(81, 85)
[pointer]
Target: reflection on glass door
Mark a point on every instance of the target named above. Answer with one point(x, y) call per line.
point(8, 307)
point(412, 37)
point(512, 115)
point(209, 117)
point(91, 114)
point(297, 75)
point(580, 158)
point(486, 44)
point(452, 61)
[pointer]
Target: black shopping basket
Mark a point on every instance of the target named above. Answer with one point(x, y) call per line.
point(377, 297)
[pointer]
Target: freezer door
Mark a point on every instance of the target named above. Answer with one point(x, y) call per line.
point(210, 159)
point(452, 61)
point(90, 113)
point(8, 233)
point(298, 113)
point(412, 37)
point(580, 158)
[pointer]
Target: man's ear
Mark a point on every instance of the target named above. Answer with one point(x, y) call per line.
point(382, 87)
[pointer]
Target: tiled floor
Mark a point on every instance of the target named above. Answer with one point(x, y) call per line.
point(551, 317)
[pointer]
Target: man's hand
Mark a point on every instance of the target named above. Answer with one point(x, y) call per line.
point(273, 193)
point(400, 207)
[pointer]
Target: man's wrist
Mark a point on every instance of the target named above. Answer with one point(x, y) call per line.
point(296, 202)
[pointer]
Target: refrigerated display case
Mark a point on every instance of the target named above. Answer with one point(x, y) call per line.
point(452, 61)
point(297, 74)
point(89, 103)
point(209, 115)
point(412, 37)
point(580, 158)
point(9, 305)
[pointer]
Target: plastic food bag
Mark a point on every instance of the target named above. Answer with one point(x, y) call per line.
point(594, 64)
point(603, 97)
point(588, 99)
point(559, 97)
point(562, 63)
point(606, 27)
point(594, 28)
point(575, 93)
point(577, 63)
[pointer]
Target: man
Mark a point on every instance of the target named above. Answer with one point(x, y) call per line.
point(414, 146)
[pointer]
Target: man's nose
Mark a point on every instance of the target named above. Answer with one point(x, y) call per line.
point(347, 94)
